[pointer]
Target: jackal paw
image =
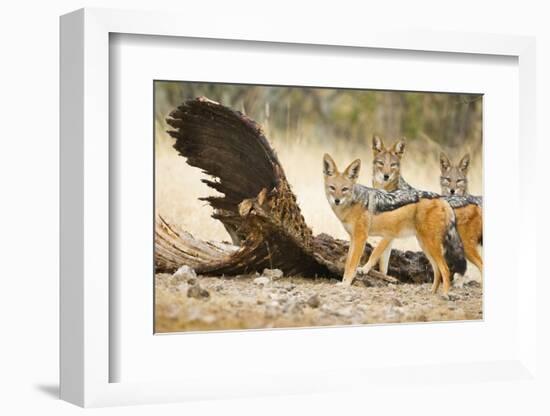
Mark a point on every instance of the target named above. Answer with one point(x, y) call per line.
point(344, 283)
point(363, 270)
point(459, 280)
point(450, 297)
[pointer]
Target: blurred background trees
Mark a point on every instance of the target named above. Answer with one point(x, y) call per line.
point(304, 123)
point(429, 121)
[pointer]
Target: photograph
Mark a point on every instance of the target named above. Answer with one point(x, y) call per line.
point(296, 206)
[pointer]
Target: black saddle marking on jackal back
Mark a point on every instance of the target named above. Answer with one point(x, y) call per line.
point(455, 201)
point(376, 200)
point(404, 185)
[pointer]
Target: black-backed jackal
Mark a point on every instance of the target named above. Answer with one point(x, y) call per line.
point(467, 208)
point(453, 179)
point(469, 220)
point(386, 175)
point(365, 211)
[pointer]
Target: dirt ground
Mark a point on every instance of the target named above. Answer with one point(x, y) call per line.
point(185, 302)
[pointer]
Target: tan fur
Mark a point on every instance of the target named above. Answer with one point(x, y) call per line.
point(427, 219)
point(386, 164)
point(469, 224)
point(386, 168)
point(453, 179)
point(469, 219)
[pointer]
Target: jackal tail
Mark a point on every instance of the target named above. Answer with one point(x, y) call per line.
point(454, 250)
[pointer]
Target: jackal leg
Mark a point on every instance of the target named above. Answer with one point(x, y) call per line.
point(356, 248)
point(375, 255)
point(434, 253)
point(441, 270)
point(445, 274)
point(470, 230)
point(437, 275)
point(384, 262)
point(472, 254)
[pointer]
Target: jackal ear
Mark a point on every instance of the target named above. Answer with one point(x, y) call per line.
point(464, 163)
point(444, 162)
point(377, 145)
point(329, 167)
point(352, 171)
point(399, 147)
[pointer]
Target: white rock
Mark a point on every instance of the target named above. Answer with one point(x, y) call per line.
point(273, 274)
point(262, 280)
point(184, 273)
point(182, 287)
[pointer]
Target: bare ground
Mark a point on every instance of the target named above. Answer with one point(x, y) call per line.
point(244, 302)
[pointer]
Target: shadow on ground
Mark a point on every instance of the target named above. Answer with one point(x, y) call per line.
point(51, 390)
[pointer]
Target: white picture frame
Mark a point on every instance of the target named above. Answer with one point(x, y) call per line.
point(85, 223)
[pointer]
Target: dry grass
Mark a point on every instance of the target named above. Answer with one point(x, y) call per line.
point(177, 189)
point(240, 304)
point(178, 185)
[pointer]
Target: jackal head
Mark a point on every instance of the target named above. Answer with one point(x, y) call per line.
point(453, 179)
point(386, 165)
point(339, 186)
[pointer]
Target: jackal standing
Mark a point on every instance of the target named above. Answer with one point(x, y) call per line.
point(365, 211)
point(469, 220)
point(468, 212)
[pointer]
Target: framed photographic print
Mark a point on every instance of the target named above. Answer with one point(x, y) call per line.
point(272, 251)
point(286, 204)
